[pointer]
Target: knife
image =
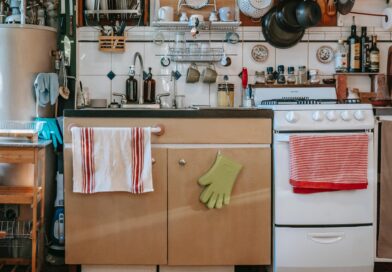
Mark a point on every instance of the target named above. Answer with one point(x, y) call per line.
point(71, 10)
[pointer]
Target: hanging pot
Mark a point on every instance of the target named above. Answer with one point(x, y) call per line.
point(344, 6)
point(308, 13)
point(275, 35)
point(286, 15)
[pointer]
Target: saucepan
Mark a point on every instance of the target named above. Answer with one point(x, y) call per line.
point(308, 13)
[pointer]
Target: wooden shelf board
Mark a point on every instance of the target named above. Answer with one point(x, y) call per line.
point(358, 74)
point(15, 261)
point(18, 194)
point(291, 85)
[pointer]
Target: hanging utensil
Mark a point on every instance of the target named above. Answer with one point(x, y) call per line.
point(275, 35)
point(286, 16)
point(344, 6)
point(71, 10)
point(308, 13)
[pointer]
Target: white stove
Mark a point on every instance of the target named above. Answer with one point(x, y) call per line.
point(329, 231)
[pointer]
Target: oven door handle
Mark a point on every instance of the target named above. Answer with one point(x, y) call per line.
point(326, 238)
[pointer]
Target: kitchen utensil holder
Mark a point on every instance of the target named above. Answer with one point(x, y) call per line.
point(113, 44)
point(195, 54)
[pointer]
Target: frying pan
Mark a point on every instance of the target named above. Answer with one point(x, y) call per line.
point(275, 35)
point(308, 13)
point(344, 6)
point(286, 15)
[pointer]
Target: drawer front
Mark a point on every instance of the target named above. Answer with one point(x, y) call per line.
point(319, 249)
point(188, 131)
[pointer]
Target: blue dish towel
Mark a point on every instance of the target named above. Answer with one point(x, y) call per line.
point(46, 88)
point(51, 131)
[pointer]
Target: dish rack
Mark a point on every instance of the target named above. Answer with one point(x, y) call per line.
point(16, 129)
point(195, 54)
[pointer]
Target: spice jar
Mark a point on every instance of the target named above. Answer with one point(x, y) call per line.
point(314, 76)
point(225, 95)
point(281, 77)
point(270, 79)
point(302, 75)
point(291, 78)
point(260, 77)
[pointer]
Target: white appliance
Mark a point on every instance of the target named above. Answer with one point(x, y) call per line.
point(329, 231)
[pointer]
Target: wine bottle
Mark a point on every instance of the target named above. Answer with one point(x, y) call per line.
point(374, 56)
point(365, 49)
point(354, 50)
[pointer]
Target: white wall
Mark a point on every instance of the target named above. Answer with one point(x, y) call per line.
point(93, 65)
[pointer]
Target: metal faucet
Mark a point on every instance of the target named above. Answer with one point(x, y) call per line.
point(137, 55)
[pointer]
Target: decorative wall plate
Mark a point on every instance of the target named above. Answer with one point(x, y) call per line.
point(325, 54)
point(259, 53)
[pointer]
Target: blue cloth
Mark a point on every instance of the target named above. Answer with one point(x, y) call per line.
point(50, 131)
point(46, 88)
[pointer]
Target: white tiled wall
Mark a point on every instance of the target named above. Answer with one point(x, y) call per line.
point(93, 65)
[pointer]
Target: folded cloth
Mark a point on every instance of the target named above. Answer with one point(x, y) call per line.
point(111, 160)
point(46, 88)
point(328, 163)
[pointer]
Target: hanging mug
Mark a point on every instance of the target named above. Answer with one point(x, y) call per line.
point(209, 74)
point(193, 74)
point(166, 14)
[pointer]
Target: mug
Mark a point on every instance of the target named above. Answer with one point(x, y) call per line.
point(213, 17)
point(166, 14)
point(193, 74)
point(225, 14)
point(184, 17)
point(209, 74)
point(180, 101)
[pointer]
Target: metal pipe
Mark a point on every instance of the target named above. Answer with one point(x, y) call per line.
point(136, 56)
point(371, 14)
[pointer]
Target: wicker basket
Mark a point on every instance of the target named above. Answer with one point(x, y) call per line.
point(114, 44)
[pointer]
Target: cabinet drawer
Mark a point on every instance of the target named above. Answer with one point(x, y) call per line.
point(17, 155)
point(188, 131)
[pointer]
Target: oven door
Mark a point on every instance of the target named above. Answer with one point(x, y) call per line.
point(319, 209)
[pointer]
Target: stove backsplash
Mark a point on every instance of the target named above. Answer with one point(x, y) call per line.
point(94, 66)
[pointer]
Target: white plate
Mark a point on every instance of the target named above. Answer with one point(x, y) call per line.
point(260, 4)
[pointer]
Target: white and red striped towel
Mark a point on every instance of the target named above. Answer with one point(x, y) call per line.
point(112, 160)
point(328, 163)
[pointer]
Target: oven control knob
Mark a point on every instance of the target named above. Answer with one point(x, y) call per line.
point(291, 117)
point(359, 115)
point(332, 116)
point(346, 115)
point(318, 116)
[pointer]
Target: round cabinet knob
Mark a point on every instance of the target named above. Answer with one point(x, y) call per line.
point(182, 162)
point(318, 116)
point(359, 115)
point(346, 115)
point(332, 116)
point(292, 117)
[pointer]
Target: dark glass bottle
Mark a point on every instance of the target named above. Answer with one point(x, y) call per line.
point(270, 79)
point(149, 88)
point(374, 56)
point(365, 57)
point(354, 50)
point(131, 87)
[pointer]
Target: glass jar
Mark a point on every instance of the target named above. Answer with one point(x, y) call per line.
point(260, 77)
point(302, 75)
point(291, 78)
point(314, 76)
point(341, 58)
point(225, 95)
point(281, 76)
point(270, 79)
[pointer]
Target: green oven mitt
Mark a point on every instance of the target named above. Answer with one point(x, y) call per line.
point(219, 181)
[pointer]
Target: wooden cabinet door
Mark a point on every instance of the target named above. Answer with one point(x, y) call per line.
point(239, 233)
point(117, 228)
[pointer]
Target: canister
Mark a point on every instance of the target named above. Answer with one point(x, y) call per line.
point(225, 95)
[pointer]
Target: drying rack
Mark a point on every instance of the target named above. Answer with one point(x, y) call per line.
point(195, 54)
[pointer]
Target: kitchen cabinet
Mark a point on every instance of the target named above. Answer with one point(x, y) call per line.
point(239, 233)
point(117, 228)
point(171, 226)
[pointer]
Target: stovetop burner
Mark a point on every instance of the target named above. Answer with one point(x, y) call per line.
point(307, 101)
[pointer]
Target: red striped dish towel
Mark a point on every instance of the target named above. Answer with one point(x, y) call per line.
point(111, 160)
point(328, 163)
